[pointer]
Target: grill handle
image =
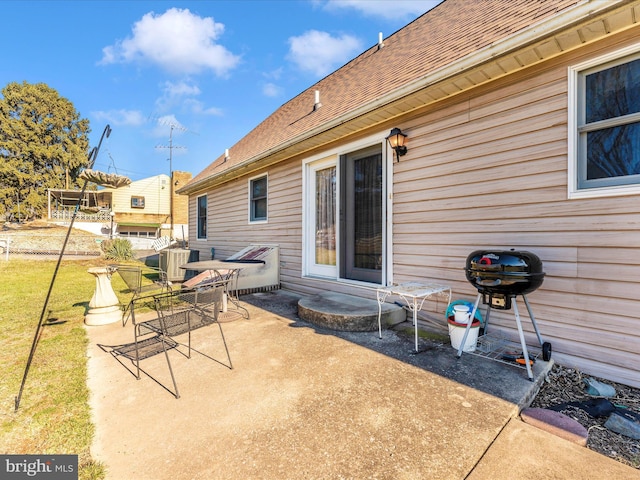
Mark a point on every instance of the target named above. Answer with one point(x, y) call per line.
point(488, 283)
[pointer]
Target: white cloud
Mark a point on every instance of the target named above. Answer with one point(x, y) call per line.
point(130, 118)
point(320, 53)
point(181, 95)
point(177, 41)
point(274, 74)
point(180, 89)
point(271, 90)
point(391, 10)
point(197, 107)
point(163, 126)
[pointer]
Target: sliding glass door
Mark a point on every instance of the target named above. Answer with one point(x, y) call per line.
point(345, 216)
point(361, 215)
point(321, 224)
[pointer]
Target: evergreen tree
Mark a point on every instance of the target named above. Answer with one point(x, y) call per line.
point(43, 144)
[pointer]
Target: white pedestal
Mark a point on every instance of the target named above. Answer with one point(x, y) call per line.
point(104, 307)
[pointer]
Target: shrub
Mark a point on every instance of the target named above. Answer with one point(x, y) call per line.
point(117, 249)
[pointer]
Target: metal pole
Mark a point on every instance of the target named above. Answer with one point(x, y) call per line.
point(171, 180)
point(91, 159)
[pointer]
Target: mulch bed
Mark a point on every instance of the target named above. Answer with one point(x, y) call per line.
point(564, 385)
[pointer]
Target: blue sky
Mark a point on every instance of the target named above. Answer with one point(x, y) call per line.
point(213, 69)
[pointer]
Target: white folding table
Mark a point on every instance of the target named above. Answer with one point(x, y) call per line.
point(414, 294)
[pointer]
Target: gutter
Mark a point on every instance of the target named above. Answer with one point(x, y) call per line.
point(570, 17)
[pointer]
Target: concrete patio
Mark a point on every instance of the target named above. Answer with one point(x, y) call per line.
point(306, 402)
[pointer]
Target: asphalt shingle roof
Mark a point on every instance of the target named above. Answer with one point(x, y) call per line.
point(443, 35)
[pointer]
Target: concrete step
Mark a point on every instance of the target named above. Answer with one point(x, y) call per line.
point(347, 313)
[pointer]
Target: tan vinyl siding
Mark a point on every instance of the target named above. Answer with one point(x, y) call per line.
point(228, 224)
point(155, 191)
point(230, 231)
point(486, 169)
point(490, 171)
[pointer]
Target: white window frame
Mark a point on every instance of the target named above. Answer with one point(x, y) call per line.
point(206, 219)
point(575, 77)
point(310, 267)
point(250, 199)
point(137, 202)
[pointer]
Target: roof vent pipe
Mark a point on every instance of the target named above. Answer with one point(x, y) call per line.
point(226, 154)
point(317, 104)
point(380, 44)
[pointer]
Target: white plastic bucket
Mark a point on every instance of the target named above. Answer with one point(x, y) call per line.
point(461, 313)
point(456, 334)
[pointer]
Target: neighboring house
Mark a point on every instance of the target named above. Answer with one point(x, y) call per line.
point(523, 120)
point(141, 210)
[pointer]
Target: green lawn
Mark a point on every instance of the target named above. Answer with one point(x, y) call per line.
point(54, 416)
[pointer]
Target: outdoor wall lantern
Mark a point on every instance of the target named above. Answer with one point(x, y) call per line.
point(396, 141)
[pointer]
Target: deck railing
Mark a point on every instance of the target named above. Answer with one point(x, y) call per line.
point(66, 215)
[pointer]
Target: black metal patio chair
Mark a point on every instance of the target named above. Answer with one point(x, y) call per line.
point(178, 313)
point(134, 278)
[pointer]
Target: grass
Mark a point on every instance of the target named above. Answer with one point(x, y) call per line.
point(54, 415)
point(428, 335)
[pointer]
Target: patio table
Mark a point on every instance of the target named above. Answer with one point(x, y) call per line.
point(225, 272)
point(414, 294)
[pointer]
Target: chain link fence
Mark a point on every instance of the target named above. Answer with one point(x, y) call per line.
point(47, 246)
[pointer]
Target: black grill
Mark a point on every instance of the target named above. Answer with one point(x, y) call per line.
point(502, 274)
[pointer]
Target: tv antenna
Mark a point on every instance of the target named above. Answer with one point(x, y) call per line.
point(172, 126)
point(112, 163)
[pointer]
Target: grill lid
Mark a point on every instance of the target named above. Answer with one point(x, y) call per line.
point(504, 272)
